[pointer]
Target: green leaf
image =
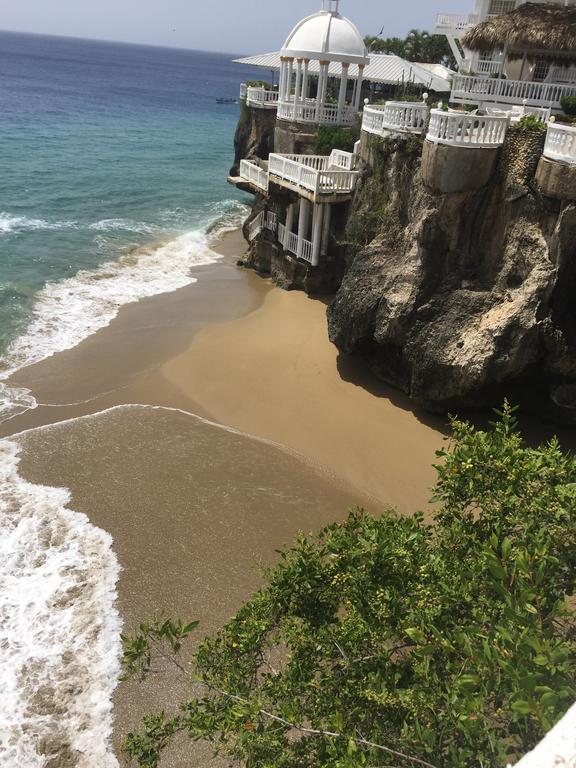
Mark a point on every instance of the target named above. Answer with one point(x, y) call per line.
point(522, 707)
point(416, 634)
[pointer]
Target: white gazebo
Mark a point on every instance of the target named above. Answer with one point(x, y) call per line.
point(328, 38)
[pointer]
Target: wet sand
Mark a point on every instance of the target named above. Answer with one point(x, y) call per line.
point(195, 509)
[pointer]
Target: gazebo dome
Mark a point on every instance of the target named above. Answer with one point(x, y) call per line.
point(326, 36)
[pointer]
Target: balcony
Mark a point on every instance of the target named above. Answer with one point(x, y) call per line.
point(254, 175)
point(318, 178)
point(474, 90)
point(261, 98)
point(308, 112)
point(459, 129)
point(561, 143)
point(484, 67)
point(455, 24)
point(396, 117)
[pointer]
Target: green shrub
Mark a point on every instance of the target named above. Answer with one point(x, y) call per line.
point(259, 84)
point(531, 123)
point(388, 640)
point(568, 104)
point(329, 138)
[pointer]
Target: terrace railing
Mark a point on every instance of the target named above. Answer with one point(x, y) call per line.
point(467, 89)
point(483, 67)
point(255, 226)
point(271, 221)
point(561, 143)
point(396, 116)
point(243, 90)
point(464, 130)
point(306, 112)
point(261, 98)
point(312, 173)
point(452, 23)
point(264, 220)
point(255, 175)
point(341, 159)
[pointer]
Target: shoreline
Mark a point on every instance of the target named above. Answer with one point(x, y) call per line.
point(179, 430)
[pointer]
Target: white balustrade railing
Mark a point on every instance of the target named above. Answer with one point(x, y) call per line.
point(473, 90)
point(243, 90)
point(255, 226)
point(281, 233)
point(373, 120)
point(311, 173)
point(271, 221)
point(341, 159)
point(260, 97)
point(561, 143)
point(292, 244)
point(561, 75)
point(252, 173)
point(454, 23)
point(462, 129)
point(482, 66)
point(396, 116)
point(264, 220)
point(306, 250)
point(306, 112)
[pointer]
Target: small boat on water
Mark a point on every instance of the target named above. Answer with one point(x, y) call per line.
point(226, 101)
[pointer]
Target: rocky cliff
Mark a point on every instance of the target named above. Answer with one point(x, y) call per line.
point(254, 136)
point(459, 299)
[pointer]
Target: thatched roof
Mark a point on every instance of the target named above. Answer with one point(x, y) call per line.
point(532, 26)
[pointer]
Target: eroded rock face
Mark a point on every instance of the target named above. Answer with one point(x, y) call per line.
point(461, 299)
point(254, 136)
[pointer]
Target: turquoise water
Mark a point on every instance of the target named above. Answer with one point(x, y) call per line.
point(105, 148)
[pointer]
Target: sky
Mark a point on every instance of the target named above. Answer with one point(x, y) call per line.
point(234, 26)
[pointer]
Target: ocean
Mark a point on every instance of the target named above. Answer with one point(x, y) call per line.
point(114, 162)
point(113, 179)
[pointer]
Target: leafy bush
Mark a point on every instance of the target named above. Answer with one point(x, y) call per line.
point(259, 84)
point(531, 123)
point(568, 104)
point(387, 640)
point(329, 138)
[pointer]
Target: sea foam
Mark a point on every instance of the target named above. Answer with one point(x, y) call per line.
point(68, 311)
point(59, 628)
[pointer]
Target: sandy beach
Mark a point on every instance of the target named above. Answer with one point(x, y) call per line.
point(202, 429)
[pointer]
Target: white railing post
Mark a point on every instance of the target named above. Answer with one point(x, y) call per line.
point(561, 143)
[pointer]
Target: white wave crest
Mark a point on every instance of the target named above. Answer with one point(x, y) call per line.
point(127, 225)
point(71, 310)
point(59, 628)
point(10, 223)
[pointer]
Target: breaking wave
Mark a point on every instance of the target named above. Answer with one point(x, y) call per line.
point(59, 628)
point(68, 311)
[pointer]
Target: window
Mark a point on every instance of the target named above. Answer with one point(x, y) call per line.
point(541, 69)
point(501, 6)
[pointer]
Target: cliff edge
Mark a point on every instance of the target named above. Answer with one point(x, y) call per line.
point(459, 299)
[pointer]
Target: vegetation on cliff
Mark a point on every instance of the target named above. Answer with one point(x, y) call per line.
point(388, 641)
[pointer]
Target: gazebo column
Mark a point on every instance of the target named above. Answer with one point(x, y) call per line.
point(326, 228)
point(304, 95)
point(317, 217)
point(297, 88)
point(358, 87)
point(343, 89)
point(288, 80)
point(322, 84)
point(288, 225)
point(302, 223)
point(283, 77)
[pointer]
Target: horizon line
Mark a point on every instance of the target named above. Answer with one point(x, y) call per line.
point(119, 42)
